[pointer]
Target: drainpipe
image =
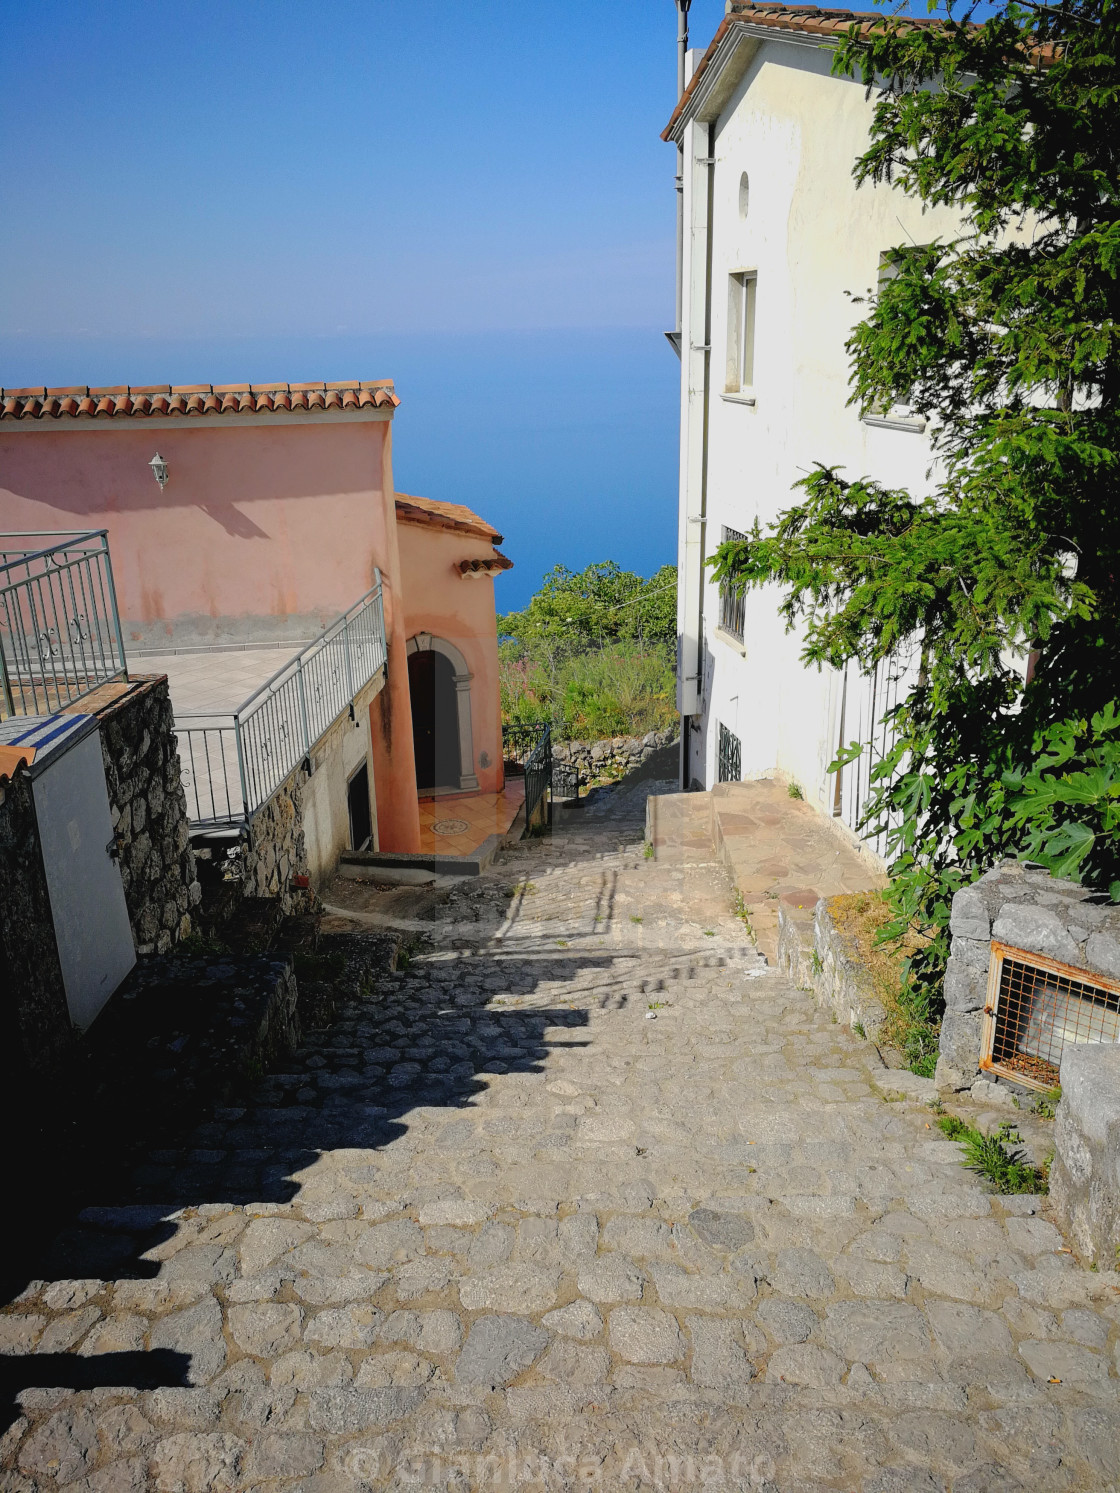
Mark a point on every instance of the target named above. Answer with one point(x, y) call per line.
point(697, 359)
point(682, 54)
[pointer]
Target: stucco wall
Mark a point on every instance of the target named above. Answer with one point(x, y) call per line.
point(326, 814)
point(267, 527)
point(440, 601)
point(813, 239)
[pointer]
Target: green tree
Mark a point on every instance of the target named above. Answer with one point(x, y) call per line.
point(577, 610)
point(594, 649)
point(1007, 336)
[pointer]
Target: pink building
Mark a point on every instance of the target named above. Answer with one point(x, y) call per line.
point(242, 520)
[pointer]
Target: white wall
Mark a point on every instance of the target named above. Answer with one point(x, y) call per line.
point(813, 239)
point(326, 816)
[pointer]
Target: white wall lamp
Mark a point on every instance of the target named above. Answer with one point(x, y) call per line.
point(159, 470)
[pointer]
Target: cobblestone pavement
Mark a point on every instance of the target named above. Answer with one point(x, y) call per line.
point(586, 1195)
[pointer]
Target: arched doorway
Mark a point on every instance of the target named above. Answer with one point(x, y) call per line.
point(435, 722)
point(439, 684)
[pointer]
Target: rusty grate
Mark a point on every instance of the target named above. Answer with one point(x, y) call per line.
point(1036, 1008)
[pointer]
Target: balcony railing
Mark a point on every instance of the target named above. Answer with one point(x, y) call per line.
point(233, 764)
point(60, 632)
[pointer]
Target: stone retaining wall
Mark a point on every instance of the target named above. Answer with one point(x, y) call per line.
point(1085, 1172)
point(816, 957)
point(35, 1031)
point(277, 849)
point(1026, 907)
point(149, 812)
point(149, 815)
point(615, 756)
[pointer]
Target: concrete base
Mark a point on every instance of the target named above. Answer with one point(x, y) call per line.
point(1085, 1174)
point(391, 865)
point(812, 952)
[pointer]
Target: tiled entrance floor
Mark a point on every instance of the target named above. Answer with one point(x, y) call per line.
point(465, 820)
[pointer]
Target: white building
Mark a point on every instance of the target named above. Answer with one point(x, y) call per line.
point(776, 239)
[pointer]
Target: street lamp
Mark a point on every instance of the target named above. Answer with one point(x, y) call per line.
point(159, 470)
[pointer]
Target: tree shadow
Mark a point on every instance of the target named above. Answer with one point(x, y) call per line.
point(430, 1045)
point(158, 1368)
point(108, 1170)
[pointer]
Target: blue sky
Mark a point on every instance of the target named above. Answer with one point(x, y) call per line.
point(470, 198)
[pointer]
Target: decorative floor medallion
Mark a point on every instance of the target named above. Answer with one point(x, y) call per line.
point(450, 827)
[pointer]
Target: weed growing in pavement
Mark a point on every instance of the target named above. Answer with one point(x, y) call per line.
point(858, 1029)
point(709, 933)
point(1047, 1106)
point(817, 963)
point(633, 919)
point(656, 1006)
point(740, 910)
point(1008, 1171)
point(794, 790)
point(647, 850)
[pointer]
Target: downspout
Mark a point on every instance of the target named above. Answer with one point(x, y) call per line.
point(682, 56)
point(697, 359)
point(709, 164)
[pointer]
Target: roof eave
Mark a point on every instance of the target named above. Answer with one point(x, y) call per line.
point(723, 65)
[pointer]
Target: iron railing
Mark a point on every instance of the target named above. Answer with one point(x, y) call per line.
point(528, 749)
point(60, 631)
point(232, 765)
point(730, 756)
point(519, 743)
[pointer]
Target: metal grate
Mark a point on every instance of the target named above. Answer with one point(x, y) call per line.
point(733, 599)
point(1036, 1008)
point(730, 756)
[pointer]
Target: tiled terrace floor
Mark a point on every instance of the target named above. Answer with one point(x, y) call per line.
point(215, 681)
point(480, 815)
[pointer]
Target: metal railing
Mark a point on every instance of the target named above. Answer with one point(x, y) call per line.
point(60, 631)
point(529, 748)
point(519, 742)
point(232, 765)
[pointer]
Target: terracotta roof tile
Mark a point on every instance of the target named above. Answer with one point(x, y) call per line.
point(493, 566)
point(79, 400)
point(453, 516)
point(812, 20)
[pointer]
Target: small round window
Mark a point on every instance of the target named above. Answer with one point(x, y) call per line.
point(744, 194)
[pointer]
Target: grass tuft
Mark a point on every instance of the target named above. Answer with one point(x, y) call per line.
point(861, 918)
point(1007, 1171)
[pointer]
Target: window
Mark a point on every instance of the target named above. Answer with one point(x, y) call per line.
point(744, 194)
point(732, 599)
point(741, 296)
point(898, 416)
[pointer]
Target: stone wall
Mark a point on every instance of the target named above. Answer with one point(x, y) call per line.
point(1085, 1172)
point(816, 957)
point(1024, 906)
point(614, 757)
point(149, 814)
point(35, 1031)
point(277, 848)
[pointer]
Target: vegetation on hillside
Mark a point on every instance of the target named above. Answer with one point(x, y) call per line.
point(1008, 337)
point(594, 651)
